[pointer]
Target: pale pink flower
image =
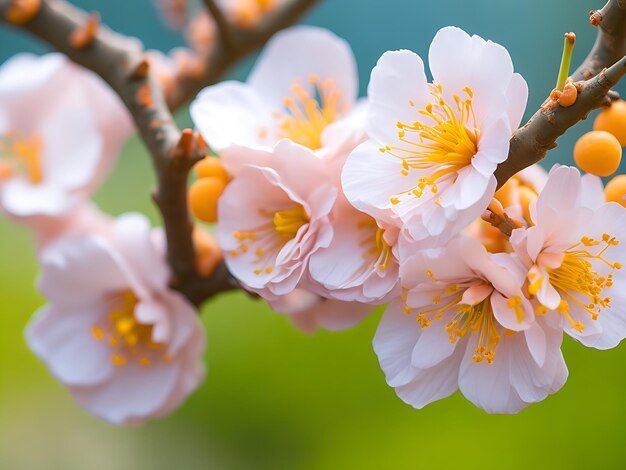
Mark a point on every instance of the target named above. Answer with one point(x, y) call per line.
point(85, 219)
point(273, 216)
point(61, 129)
point(127, 346)
point(464, 323)
point(573, 258)
point(361, 262)
point(310, 312)
point(303, 87)
point(434, 147)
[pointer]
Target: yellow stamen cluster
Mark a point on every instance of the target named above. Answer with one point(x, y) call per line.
point(467, 319)
point(576, 278)
point(306, 116)
point(21, 155)
point(439, 149)
point(376, 251)
point(282, 226)
point(128, 339)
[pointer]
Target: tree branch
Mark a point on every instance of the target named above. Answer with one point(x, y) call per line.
point(530, 144)
point(610, 45)
point(233, 44)
point(120, 62)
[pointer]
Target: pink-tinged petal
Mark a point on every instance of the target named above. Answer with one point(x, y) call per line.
point(233, 113)
point(132, 393)
point(560, 194)
point(433, 384)
point(433, 346)
point(347, 268)
point(592, 191)
point(187, 329)
point(326, 56)
point(131, 237)
point(493, 146)
point(397, 89)
point(61, 337)
point(20, 198)
point(549, 260)
point(296, 301)
point(612, 321)
point(473, 187)
point(513, 264)
point(489, 386)
point(451, 57)
point(24, 72)
point(477, 293)
point(515, 317)
point(332, 315)
point(72, 149)
point(77, 270)
point(395, 338)
point(536, 342)
point(534, 176)
point(150, 312)
point(292, 161)
point(517, 94)
point(370, 179)
point(547, 295)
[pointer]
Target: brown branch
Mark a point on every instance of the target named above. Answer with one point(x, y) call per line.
point(224, 27)
point(233, 44)
point(119, 60)
point(601, 70)
point(610, 45)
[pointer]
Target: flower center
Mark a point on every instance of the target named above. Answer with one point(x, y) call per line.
point(305, 116)
point(463, 318)
point(21, 154)
point(269, 238)
point(576, 280)
point(376, 251)
point(129, 339)
point(439, 149)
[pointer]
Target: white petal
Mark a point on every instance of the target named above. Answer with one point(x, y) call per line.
point(397, 81)
point(395, 338)
point(61, 336)
point(296, 54)
point(232, 113)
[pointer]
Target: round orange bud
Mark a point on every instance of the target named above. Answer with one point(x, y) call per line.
point(211, 166)
point(203, 197)
point(208, 253)
point(598, 153)
point(613, 120)
point(615, 190)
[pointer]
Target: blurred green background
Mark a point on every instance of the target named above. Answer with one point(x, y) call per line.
point(274, 397)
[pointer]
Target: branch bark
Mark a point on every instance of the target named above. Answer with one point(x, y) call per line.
point(120, 61)
point(233, 44)
point(600, 71)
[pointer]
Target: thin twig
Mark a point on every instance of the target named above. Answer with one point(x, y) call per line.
point(601, 70)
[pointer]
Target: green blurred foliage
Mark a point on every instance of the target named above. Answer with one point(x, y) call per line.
point(274, 397)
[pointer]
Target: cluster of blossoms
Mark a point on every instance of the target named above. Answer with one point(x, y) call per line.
point(336, 205)
point(326, 206)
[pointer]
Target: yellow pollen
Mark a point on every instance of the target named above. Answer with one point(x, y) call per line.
point(376, 251)
point(118, 360)
point(130, 339)
point(268, 238)
point(306, 116)
point(468, 319)
point(515, 303)
point(20, 154)
point(287, 222)
point(576, 278)
point(438, 149)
